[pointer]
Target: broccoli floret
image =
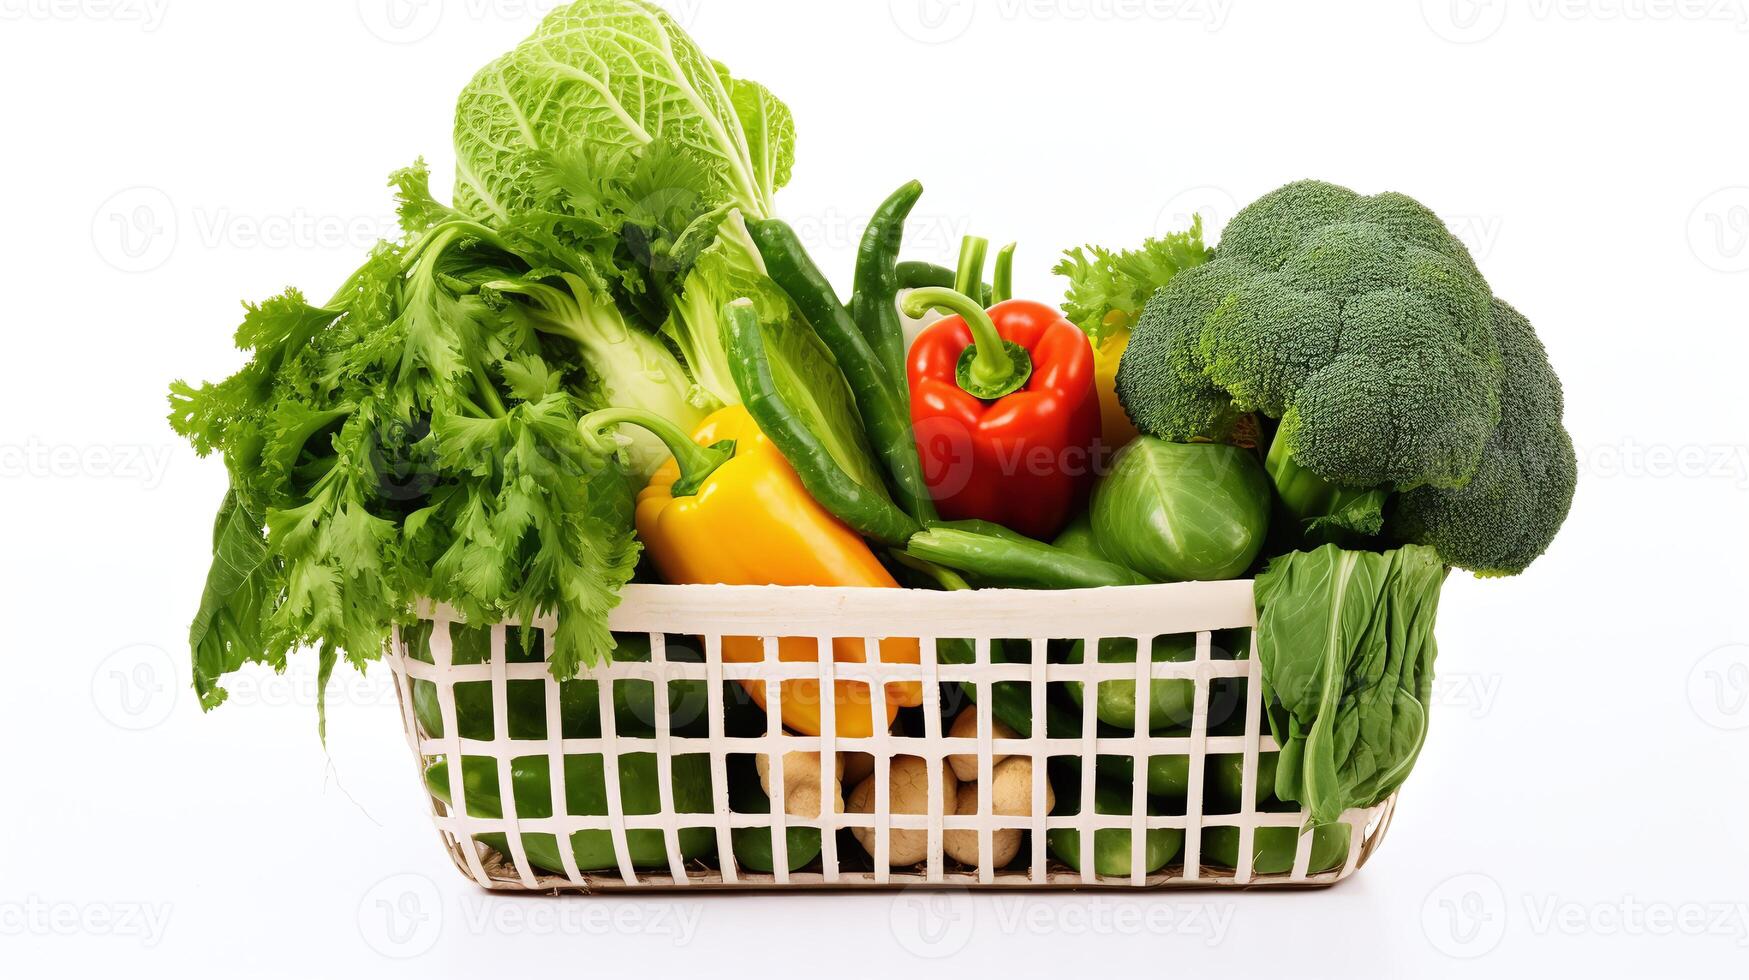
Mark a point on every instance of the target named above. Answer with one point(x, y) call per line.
point(1508, 513)
point(1364, 326)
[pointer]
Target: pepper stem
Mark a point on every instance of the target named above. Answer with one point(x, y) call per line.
point(970, 278)
point(696, 462)
point(1004, 289)
point(991, 367)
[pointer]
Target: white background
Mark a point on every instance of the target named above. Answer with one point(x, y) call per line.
point(1581, 800)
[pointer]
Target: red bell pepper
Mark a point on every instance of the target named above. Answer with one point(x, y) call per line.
point(1005, 411)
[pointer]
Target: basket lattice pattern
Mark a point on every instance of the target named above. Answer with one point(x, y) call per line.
point(699, 617)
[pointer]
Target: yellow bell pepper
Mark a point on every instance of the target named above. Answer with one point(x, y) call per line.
point(728, 509)
point(1116, 429)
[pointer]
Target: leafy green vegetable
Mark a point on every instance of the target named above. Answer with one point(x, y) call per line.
point(416, 436)
point(406, 439)
point(632, 368)
point(1108, 290)
point(1178, 512)
point(1363, 325)
point(1347, 649)
point(602, 76)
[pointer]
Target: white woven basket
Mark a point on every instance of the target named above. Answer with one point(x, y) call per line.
point(709, 613)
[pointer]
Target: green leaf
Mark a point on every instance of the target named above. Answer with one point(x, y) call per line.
point(1108, 290)
point(1346, 643)
point(226, 631)
point(607, 75)
point(768, 127)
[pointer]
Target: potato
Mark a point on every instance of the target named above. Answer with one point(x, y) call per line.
point(965, 766)
point(856, 766)
point(1010, 795)
point(801, 782)
point(804, 799)
point(908, 792)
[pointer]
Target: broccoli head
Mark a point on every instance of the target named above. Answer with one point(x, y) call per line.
point(1507, 514)
point(1362, 325)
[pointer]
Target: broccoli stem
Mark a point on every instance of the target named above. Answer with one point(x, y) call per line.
point(1323, 509)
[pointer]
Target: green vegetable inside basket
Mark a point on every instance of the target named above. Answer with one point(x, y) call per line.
point(1170, 701)
point(586, 795)
point(1111, 847)
point(1274, 848)
point(579, 700)
point(753, 850)
point(580, 717)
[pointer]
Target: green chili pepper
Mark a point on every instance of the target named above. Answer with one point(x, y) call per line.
point(875, 304)
point(1015, 561)
point(866, 512)
point(987, 528)
point(883, 408)
point(922, 275)
point(586, 795)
